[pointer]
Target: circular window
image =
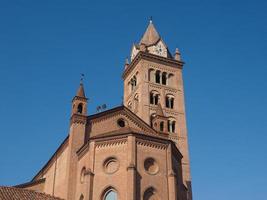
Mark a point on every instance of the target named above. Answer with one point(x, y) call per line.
point(121, 123)
point(111, 165)
point(151, 166)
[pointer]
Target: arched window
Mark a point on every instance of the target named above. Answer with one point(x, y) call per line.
point(82, 176)
point(151, 119)
point(130, 105)
point(169, 101)
point(80, 108)
point(161, 126)
point(151, 75)
point(154, 98)
point(110, 195)
point(157, 76)
point(133, 83)
point(81, 197)
point(164, 78)
point(171, 126)
point(136, 102)
point(150, 194)
point(170, 80)
point(151, 98)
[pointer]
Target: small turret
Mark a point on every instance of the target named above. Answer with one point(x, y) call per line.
point(77, 137)
point(143, 47)
point(126, 63)
point(79, 101)
point(177, 55)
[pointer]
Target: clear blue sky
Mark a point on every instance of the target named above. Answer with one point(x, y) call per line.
point(45, 45)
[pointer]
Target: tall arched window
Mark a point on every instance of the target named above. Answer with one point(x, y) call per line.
point(169, 101)
point(150, 194)
point(157, 76)
point(136, 102)
point(110, 195)
point(161, 126)
point(151, 119)
point(81, 197)
point(164, 78)
point(130, 105)
point(154, 98)
point(80, 108)
point(170, 79)
point(171, 126)
point(133, 83)
point(151, 100)
point(151, 75)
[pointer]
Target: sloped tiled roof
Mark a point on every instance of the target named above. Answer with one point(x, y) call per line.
point(12, 193)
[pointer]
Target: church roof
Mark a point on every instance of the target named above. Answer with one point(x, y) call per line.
point(80, 91)
point(145, 130)
point(151, 35)
point(12, 193)
point(141, 122)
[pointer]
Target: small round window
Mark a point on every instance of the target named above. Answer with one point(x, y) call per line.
point(151, 166)
point(111, 165)
point(121, 123)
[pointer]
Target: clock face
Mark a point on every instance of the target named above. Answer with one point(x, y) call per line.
point(160, 50)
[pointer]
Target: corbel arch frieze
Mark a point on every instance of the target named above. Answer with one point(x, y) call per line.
point(151, 144)
point(161, 68)
point(111, 143)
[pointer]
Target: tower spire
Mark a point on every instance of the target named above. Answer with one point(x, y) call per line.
point(151, 35)
point(79, 101)
point(80, 91)
point(177, 55)
point(126, 63)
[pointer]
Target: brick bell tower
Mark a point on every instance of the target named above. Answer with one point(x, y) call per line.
point(153, 81)
point(77, 135)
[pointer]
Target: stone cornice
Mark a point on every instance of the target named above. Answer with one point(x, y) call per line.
point(151, 57)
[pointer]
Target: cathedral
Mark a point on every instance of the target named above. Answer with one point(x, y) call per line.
point(137, 151)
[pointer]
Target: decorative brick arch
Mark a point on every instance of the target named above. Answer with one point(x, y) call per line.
point(108, 191)
point(151, 194)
